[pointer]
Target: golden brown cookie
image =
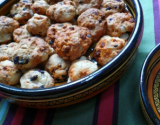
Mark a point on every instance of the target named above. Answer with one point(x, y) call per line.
point(21, 12)
point(107, 48)
point(9, 74)
point(53, 30)
point(95, 21)
point(7, 26)
point(62, 12)
point(83, 5)
point(57, 67)
point(31, 52)
point(36, 78)
point(119, 23)
point(40, 7)
point(7, 50)
point(38, 25)
point(81, 68)
point(73, 42)
point(112, 6)
point(21, 33)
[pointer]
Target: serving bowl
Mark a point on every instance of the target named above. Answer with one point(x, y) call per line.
point(150, 86)
point(86, 87)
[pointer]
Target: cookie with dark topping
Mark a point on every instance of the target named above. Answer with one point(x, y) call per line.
point(7, 26)
point(107, 48)
point(119, 23)
point(112, 6)
point(95, 21)
point(33, 79)
point(73, 42)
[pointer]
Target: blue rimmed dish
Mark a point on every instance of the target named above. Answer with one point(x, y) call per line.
point(86, 87)
point(150, 86)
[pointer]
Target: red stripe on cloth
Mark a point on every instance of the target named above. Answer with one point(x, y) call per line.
point(40, 117)
point(18, 116)
point(106, 107)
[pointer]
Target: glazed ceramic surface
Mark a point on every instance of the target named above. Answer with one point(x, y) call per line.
point(150, 86)
point(83, 88)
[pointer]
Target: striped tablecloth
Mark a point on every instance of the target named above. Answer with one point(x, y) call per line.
point(118, 105)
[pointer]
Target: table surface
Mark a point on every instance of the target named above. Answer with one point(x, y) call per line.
point(118, 105)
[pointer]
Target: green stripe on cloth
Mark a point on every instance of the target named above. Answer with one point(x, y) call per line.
point(77, 114)
point(4, 106)
point(130, 112)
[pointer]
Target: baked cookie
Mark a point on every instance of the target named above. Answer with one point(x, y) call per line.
point(9, 74)
point(31, 52)
point(57, 67)
point(81, 68)
point(73, 42)
point(36, 78)
point(7, 26)
point(6, 51)
point(119, 23)
point(40, 7)
point(112, 6)
point(53, 30)
point(107, 48)
point(21, 12)
point(21, 33)
point(95, 21)
point(38, 25)
point(83, 5)
point(62, 12)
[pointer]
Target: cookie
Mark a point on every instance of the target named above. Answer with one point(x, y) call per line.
point(21, 12)
point(107, 48)
point(81, 69)
point(62, 12)
point(31, 52)
point(7, 26)
point(7, 51)
point(119, 23)
point(36, 78)
point(9, 74)
point(21, 33)
point(73, 42)
point(112, 6)
point(38, 25)
point(57, 67)
point(95, 21)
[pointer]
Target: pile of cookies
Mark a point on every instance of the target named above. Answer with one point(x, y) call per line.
point(44, 42)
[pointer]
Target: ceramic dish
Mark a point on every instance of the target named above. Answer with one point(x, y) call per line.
point(83, 88)
point(150, 87)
